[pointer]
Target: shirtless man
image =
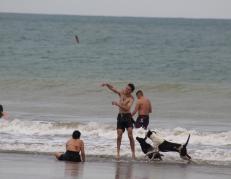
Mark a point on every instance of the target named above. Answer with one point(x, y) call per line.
point(143, 107)
point(1, 111)
point(73, 147)
point(124, 119)
point(3, 114)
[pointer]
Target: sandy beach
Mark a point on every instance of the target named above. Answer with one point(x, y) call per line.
point(25, 166)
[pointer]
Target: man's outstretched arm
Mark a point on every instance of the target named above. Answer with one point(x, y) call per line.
point(112, 88)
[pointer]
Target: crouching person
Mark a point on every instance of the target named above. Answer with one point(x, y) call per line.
point(74, 147)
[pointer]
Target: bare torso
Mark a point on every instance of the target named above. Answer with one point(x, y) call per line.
point(144, 106)
point(74, 145)
point(125, 101)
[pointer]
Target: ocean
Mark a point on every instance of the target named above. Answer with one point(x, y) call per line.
point(50, 84)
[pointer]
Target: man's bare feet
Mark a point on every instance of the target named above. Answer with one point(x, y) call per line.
point(118, 156)
point(133, 156)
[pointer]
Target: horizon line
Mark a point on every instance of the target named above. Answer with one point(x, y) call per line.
point(119, 16)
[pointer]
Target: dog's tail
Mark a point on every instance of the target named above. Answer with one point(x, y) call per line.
point(183, 152)
point(187, 141)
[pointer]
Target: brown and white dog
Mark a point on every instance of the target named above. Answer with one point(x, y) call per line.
point(162, 145)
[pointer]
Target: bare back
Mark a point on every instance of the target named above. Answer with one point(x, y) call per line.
point(144, 106)
point(74, 145)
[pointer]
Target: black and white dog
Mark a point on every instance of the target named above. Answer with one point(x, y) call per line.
point(148, 150)
point(162, 145)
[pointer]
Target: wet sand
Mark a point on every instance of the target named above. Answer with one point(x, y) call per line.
point(27, 166)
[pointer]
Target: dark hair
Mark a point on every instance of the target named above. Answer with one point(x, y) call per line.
point(1, 108)
point(131, 86)
point(139, 91)
point(76, 135)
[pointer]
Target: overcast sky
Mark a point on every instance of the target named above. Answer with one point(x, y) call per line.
point(147, 8)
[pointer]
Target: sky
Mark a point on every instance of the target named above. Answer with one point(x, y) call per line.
point(137, 8)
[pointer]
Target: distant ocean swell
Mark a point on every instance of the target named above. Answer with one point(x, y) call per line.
point(47, 137)
point(41, 85)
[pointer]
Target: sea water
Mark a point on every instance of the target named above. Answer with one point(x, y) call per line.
point(50, 84)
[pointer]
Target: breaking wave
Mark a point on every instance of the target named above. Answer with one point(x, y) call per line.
point(100, 140)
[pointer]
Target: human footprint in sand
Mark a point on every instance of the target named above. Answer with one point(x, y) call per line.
point(74, 146)
point(124, 119)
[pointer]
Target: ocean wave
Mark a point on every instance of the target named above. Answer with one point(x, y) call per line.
point(177, 134)
point(43, 128)
point(17, 126)
point(100, 139)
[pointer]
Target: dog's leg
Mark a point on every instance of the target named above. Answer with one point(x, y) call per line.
point(155, 155)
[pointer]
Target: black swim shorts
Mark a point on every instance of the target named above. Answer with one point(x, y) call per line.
point(70, 156)
point(142, 121)
point(124, 121)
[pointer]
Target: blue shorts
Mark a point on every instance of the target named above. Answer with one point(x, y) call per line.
point(142, 121)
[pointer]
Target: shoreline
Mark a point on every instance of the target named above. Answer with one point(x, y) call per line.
point(43, 166)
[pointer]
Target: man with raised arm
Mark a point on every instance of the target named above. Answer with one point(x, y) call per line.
point(124, 119)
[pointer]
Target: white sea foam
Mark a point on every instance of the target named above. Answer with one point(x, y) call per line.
point(100, 139)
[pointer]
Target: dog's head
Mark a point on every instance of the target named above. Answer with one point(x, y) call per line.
point(140, 140)
point(144, 145)
point(147, 148)
point(148, 134)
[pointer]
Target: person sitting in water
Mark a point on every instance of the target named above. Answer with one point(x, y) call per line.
point(3, 114)
point(73, 147)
